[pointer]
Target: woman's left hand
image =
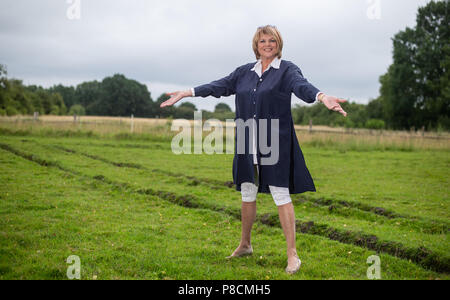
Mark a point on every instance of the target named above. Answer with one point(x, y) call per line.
point(332, 103)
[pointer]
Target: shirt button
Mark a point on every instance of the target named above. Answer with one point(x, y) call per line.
point(254, 90)
point(254, 116)
point(260, 80)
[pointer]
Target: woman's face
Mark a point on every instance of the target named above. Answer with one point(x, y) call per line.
point(267, 46)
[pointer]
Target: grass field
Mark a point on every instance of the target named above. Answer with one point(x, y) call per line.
point(131, 209)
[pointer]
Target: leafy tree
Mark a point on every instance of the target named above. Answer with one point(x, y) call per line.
point(375, 109)
point(188, 105)
point(222, 107)
point(88, 94)
point(163, 112)
point(4, 88)
point(3, 79)
point(77, 109)
point(122, 97)
point(67, 93)
point(375, 124)
point(414, 91)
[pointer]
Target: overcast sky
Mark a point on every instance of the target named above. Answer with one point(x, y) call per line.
point(342, 46)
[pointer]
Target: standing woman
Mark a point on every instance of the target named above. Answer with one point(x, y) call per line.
point(263, 91)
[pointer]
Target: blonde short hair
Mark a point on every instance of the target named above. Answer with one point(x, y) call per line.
point(269, 30)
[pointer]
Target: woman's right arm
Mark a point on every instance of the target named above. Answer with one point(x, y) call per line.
point(218, 88)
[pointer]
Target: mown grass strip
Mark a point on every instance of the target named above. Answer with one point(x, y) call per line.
point(346, 208)
point(390, 230)
point(340, 207)
point(195, 180)
point(421, 256)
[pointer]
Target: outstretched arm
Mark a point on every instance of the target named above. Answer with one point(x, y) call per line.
point(309, 93)
point(222, 87)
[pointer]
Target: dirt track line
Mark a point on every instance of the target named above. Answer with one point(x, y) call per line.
point(195, 180)
point(334, 206)
point(421, 256)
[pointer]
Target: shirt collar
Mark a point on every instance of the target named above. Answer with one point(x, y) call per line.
point(258, 66)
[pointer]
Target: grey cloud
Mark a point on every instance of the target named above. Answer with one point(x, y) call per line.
point(187, 43)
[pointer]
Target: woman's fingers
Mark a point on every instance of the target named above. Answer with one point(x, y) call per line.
point(333, 104)
point(340, 110)
point(173, 99)
point(169, 102)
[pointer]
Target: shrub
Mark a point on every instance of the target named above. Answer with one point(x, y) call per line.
point(375, 124)
point(54, 110)
point(11, 111)
point(77, 109)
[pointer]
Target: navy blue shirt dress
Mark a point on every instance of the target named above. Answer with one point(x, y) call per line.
point(268, 97)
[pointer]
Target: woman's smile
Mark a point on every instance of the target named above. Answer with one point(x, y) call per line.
point(267, 46)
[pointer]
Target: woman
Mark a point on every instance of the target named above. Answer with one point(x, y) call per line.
point(263, 92)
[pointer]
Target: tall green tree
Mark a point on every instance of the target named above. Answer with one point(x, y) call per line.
point(414, 91)
point(88, 94)
point(188, 105)
point(66, 92)
point(3, 88)
point(122, 97)
point(222, 107)
point(165, 112)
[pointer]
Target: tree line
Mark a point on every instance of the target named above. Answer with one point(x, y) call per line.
point(359, 115)
point(113, 96)
point(414, 93)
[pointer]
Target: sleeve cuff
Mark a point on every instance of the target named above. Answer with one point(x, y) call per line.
point(317, 96)
point(193, 92)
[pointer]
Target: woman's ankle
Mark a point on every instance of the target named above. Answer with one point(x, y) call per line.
point(245, 245)
point(292, 252)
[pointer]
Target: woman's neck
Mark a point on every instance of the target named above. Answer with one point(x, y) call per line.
point(265, 62)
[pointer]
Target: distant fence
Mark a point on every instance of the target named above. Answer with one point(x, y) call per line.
point(131, 121)
point(375, 132)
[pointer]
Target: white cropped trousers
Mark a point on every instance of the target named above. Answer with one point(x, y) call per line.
point(249, 190)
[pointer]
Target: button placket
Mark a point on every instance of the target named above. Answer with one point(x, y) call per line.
point(254, 96)
point(254, 101)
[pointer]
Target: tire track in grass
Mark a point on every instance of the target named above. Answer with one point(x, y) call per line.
point(339, 207)
point(194, 180)
point(345, 208)
point(421, 256)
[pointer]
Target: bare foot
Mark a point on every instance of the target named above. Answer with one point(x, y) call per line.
point(293, 264)
point(242, 251)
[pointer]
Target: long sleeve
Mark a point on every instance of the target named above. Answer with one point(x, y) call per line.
point(300, 86)
point(222, 87)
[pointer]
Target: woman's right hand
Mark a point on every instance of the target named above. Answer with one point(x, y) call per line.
point(175, 97)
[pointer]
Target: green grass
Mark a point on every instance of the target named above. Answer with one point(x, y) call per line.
point(132, 209)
